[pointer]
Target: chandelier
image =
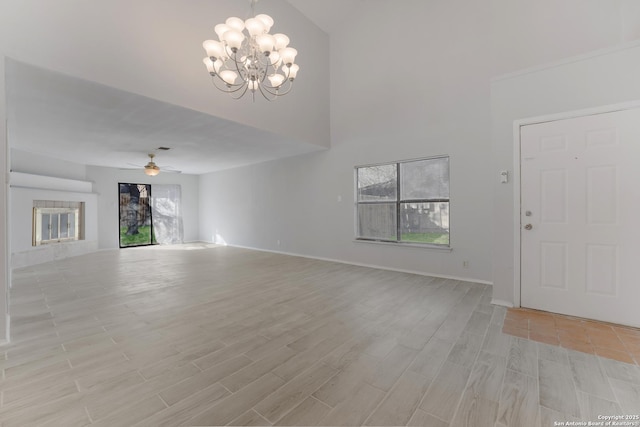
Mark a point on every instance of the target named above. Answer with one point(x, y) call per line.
point(246, 58)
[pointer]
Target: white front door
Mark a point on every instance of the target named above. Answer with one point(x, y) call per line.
point(580, 216)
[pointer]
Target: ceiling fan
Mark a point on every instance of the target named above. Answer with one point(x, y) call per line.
point(152, 169)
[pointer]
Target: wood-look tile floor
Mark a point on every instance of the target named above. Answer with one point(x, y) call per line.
point(226, 336)
point(615, 342)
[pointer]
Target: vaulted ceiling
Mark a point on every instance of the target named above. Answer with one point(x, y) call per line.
point(81, 121)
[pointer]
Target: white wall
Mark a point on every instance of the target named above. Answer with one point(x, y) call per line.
point(589, 81)
point(440, 106)
point(32, 163)
point(564, 51)
point(37, 177)
point(528, 33)
point(443, 55)
point(155, 49)
point(105, 183)
point(22, 252)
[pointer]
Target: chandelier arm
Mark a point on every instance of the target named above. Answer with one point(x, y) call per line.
point(286, 73)
point(263, 75)
point(278, 92)
point(240, 66)
point(216, 78)
point(226, 67)
point(267, 64)
point(263, 89)
point(229, 85)
point(285, 86)
point(231, 55)
point(246, 86)
point(270, 88)
point(226, 87)
point(275, 91)
point(287, 90)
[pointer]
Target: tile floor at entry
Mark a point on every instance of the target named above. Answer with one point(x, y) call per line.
point(227, 336)
point(587, 336)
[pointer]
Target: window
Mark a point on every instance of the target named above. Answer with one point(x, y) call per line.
point(404, 202)
point(57, 221)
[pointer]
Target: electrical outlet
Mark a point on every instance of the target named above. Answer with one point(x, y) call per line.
point(278, 242)
point(465, 264)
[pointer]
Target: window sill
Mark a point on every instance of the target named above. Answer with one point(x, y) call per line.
point(55, 242)
point(439, 248)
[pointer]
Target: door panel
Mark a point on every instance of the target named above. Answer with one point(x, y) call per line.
point(580, 182)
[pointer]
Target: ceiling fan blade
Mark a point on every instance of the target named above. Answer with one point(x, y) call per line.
point(168, 168)
point(165, 169)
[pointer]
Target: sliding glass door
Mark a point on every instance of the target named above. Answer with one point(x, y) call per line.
point(136, 224)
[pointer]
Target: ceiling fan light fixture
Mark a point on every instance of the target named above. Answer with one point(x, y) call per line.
point(151, 168)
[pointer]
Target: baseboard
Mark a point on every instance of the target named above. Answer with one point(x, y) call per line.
point(358, 264)
point(502, 303)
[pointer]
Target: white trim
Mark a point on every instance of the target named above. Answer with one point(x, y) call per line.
point(517, 184)
point(20, 187)
point(393, 162)
point(42, 182)
point(602, 109)
point(441, 248)
point(5, 264)
point(358, 264)
point(501, 303)
point(573, 59)
point(516, 214)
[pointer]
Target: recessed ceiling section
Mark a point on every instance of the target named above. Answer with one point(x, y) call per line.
point(76, 120)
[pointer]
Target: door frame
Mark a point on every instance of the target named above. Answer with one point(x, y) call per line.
point(151, 237)
point(517, 182)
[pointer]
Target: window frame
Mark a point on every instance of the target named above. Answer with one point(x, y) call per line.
point(38, 212)
point(398, 204)
point(147, 189)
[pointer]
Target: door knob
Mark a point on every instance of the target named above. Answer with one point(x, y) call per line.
point(528, 227)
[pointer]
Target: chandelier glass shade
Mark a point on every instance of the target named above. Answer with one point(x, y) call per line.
point(246, 58)
point(151, 168)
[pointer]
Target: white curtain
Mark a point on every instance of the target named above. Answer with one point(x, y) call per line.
point(166, 211)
